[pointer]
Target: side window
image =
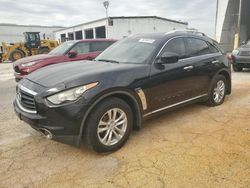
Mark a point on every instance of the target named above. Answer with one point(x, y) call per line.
point(99, 46)
point(197, 47)
point(212, 49)
point(176, 46)
point(82, 48)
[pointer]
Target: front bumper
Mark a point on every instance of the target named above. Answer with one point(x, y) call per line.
point(63, 122)
point(241, 61)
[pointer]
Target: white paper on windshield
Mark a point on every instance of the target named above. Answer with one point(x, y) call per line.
point(147, 40)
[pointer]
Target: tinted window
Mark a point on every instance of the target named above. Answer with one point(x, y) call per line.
point(34, 37)
point(176, 46)
point(197, 47)
point(89, 34)
point(100, 32)
point(70, 36)
point(82, 48)
point(78, 35)
point(63, 37)
point(99, 46)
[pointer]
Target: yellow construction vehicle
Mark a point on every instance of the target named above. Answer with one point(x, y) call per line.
point(32, 45)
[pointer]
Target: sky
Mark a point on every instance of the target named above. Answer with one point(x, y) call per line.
point(200, 14)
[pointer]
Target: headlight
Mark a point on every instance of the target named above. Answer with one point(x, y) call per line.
point(29, 64)
point(235, 52)
point(71, 94)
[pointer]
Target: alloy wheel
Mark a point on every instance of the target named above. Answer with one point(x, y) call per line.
point(219, 91)
point(112, 126)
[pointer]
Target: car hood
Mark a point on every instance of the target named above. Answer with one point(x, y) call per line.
point(34, 58)
point(81, 72)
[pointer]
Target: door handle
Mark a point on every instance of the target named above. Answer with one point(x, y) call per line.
point(215, 61)
point(188, 67)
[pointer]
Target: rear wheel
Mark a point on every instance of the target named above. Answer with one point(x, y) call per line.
point(43, 51)
point(16, 54)
point(218, 91)
point(109, 125)
point(237, 69)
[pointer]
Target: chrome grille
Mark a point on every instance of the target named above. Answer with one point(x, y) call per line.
point(245, 53)
point(25, 99)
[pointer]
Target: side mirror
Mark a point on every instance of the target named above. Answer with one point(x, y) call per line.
point(168, 57)
point(243, 42)
point(72, 53)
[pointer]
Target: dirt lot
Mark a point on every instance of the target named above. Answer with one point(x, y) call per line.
point(195, 146)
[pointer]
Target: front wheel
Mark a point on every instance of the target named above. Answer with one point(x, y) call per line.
point(109, 125)
point(237, 69)
point(218, 91)
point(16, 54)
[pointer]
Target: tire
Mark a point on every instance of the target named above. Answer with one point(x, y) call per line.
point(15, 55)
point(43, 51)
point(218, 91)
point(102, 112)
point(237, 69)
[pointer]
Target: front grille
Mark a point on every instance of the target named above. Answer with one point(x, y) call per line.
point(25, 99)
point(17, 69)
point(245, 53)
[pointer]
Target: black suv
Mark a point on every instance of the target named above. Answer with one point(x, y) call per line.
point(135, 78)
point(241, 57)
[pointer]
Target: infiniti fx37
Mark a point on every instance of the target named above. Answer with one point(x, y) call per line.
point(101, 101)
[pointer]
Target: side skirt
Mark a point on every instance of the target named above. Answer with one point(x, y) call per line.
point(174, 105)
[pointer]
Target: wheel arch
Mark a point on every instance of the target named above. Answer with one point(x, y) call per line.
point(124, 95)
point(227, 75)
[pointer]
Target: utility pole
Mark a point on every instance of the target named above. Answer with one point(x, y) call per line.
point(239, 23)
point(239, 17)
point(106, 6)
point(216, 20)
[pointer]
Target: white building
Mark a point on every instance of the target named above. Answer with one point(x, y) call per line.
point(12, 33)
point(232, 23)
point(118, 27)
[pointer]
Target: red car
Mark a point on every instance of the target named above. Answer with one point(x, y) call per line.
point(67, 51)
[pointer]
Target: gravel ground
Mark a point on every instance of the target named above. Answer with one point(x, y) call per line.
point(195, 146)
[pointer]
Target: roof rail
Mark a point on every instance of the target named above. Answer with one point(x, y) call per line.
point(186, 31)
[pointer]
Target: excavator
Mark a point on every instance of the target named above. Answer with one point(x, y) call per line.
point(32, 45)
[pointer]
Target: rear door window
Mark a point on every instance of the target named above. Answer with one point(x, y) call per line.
point(99, 46)
point(197, 47)
point(177, 46)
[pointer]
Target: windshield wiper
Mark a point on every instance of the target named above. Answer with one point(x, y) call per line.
point(108, 60)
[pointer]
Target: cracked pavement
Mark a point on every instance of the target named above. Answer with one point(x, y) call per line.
point(195, 146)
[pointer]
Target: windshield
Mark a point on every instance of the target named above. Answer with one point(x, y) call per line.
point(130, 50)
point(61, 49)
point(248, 43)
